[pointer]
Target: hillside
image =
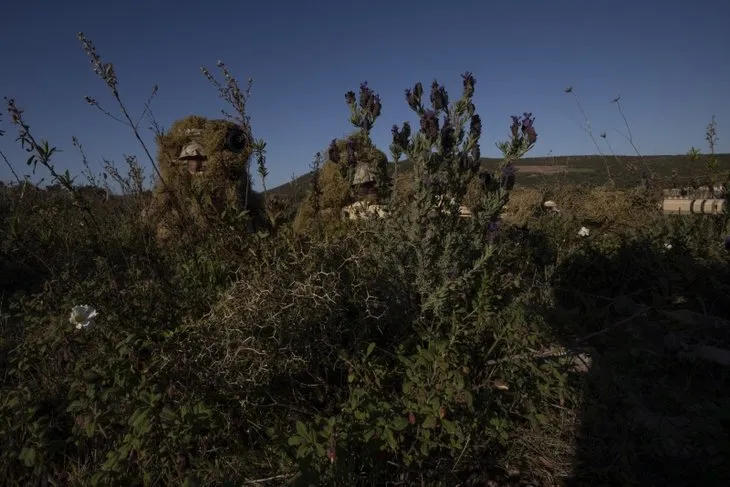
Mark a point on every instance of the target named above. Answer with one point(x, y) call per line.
point(590, 170)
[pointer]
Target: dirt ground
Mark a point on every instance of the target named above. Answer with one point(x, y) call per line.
point(534, 169)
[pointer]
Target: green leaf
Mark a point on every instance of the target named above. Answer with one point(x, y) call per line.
point(400, 423)
point(168, 415)
point(424, 448)
point(371, 347)
point(74, 406)
point(449, 426)
point(27, 455)
point(320, 450)
point(368, 435)
point(302, 429)
point(89, 429)
point(295, 440)
point(111, 463)
point(429, 422)
point(302, 451)
point(458, 381)
point(140, 419)
point(390, 439)
point(468, 398)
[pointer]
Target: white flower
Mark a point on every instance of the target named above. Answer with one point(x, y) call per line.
point(82, 316)
point(584, 232)
point(668, 246)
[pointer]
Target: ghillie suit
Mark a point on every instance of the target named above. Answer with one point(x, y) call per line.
point(205, 178)
point(355, 171)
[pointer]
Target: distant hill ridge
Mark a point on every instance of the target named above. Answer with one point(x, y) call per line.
point(577, 169)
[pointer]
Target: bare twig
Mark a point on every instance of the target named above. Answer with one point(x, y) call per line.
point(10, 166)
point(468, 439)
point(589, 129)
point(630, 137)
point(268, 479)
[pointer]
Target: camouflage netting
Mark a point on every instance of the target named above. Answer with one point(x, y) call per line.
point(357, 173)
point(204, 165)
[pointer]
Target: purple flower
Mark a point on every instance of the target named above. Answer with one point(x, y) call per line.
point(401, 137)
point(476, 157)
point(406, 132)
point(448, 141)
point(508, 176)
point(418, 90)
point(485, 178)
point(469, 83)
point(515, 127)
point(374, 106)
point(509, 170)
point(528, 129)
point(411, 99)
point(523, 129)
point(475, 128)
point(365, 94)
point(369, 102)
point(350, 97)
point(439, 97)
point(430, 125)
point(333, 152)
point(351, 160)
point(492, 230)
point(527, 121)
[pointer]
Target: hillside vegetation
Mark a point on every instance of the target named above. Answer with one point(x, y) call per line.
point(667, 171)
point(581, 343)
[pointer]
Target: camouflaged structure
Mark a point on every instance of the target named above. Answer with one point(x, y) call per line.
point(204, 166)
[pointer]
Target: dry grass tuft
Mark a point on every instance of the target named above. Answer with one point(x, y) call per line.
point(605, 207)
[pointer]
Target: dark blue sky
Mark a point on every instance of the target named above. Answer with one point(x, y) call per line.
point(668, 59)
